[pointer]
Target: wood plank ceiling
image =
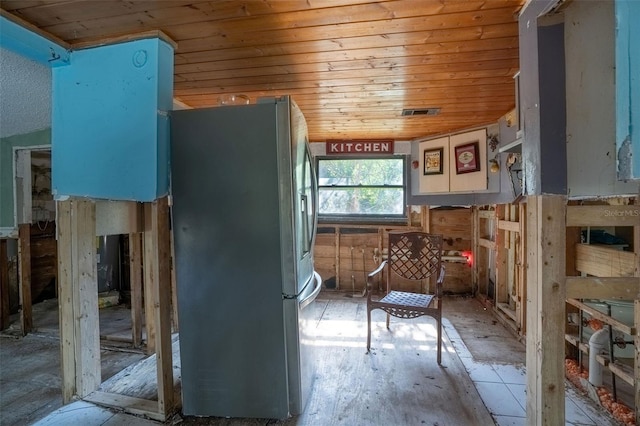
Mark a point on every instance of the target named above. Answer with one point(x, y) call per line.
point(351, 65)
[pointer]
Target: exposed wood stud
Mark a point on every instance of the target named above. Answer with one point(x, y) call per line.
point(65, 301)
point(135, 274)
point(4, 286)
point(475, 249)
point(78, 298)
point(161, 294)
point(501, 255)
point(545, 309)
point(337, 253)
point(149, 258)
point(85, 297)
point(24, 256)
point(425, 216)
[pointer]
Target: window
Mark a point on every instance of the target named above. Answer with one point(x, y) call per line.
point(367, 189)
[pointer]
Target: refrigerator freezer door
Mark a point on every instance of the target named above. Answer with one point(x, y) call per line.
point(302, 317)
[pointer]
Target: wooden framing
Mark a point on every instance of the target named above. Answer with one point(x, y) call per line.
point(603, 261)
point(24, 270)
point(607, 273)
point(603, 288)
point(135, 282)
point(4, 286)
point(78, 299)
point(349, 251)
point(545, 309)
point(500, 235)
point(159, 292)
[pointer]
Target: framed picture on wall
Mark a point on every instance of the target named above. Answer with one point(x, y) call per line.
point(433, 161)
point(467, 158)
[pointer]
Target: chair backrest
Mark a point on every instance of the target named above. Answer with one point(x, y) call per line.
point(415, 255)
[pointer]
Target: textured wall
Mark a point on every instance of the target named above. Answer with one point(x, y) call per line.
point(25, 95)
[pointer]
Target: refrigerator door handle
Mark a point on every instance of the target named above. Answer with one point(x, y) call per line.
point(316, 291)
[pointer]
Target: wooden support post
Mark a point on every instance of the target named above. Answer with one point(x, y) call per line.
point(501, 289)
point(159, 289)
point(78, 298)
point(545, 309)
point(4, 286)
point(475, 244)
point(24, 256)
point(522, 270)
point(149, 259)
point(337, 243)
point(426, 218)
point(135, 278)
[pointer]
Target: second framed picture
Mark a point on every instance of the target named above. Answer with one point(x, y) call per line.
point(467, 158)
point(433, 161)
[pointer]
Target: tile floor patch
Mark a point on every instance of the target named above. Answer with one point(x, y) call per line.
point(483, 373)
point(512, 374)
point(510, 421)
point(499, 400)
point(519, 392)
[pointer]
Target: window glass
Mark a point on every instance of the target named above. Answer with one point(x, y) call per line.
point(361, 187)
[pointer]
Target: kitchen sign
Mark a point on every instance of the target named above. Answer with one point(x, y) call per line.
point(360, 147)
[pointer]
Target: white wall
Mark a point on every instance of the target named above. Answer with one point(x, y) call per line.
point(591, 113)
point(25, 95)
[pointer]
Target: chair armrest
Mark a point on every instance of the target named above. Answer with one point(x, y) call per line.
point(374, 273)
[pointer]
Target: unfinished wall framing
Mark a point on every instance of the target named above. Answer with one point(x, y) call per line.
point(78, 301)
point(346, 253)
point(499, 267)
point(603, 293)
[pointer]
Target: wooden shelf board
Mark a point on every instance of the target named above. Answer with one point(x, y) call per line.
point(602, 317)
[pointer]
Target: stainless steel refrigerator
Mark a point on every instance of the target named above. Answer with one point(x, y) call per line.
point(244, 220)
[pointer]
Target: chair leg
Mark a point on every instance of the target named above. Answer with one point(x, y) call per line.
point(368, 330)
point(388, 317)
point(439, 324)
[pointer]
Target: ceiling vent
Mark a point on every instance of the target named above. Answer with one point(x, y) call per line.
point(421, 111)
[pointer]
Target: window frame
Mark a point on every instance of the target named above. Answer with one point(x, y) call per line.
point(368, 219)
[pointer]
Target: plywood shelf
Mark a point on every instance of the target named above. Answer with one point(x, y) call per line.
point(574, 339)
point(602, 261)
point(621, 370)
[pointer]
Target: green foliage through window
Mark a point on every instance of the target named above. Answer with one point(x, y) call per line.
point(361, 187)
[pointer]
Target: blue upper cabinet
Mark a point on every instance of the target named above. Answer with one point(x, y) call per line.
point(628, 88)
point(110, 129)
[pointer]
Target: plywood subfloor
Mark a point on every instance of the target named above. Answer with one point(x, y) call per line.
point(487, 339)
point(30, 366)
point(398, 383)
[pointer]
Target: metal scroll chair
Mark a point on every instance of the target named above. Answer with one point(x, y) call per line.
point(414, 256)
